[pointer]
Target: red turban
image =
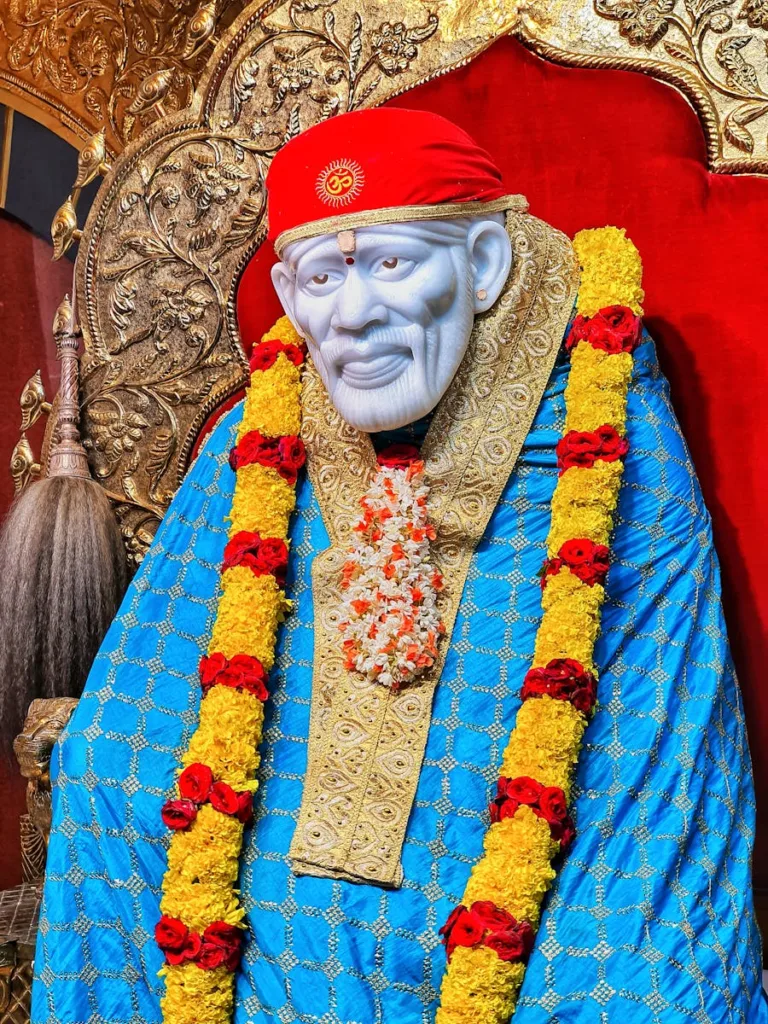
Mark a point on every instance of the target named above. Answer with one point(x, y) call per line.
point(379, 166)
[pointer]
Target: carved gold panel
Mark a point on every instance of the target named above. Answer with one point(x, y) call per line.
point(77, 65)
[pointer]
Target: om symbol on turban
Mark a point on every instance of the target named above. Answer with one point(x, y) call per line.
point(340, 182)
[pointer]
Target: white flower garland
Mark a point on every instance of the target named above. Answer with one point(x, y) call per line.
point(391, 623)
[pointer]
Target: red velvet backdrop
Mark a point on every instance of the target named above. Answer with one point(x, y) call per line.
point(31, 287)
point(590, 148)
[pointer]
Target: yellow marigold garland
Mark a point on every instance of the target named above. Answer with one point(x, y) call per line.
point(490, 935)
point(489, 939)
point(201, 929)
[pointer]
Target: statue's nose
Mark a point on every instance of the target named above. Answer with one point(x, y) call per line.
point(356, 306)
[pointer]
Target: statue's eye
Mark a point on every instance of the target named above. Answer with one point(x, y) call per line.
point(391, 263)
point(320, 279)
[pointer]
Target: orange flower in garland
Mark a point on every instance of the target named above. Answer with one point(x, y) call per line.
point(530, 822)
point(201, 928)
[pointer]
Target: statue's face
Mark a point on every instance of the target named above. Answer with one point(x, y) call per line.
point(388, 324)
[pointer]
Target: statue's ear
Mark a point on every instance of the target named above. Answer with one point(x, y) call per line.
point(490, 256)
point(284, 281)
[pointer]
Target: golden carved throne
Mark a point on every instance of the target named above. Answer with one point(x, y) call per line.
point(181, 212)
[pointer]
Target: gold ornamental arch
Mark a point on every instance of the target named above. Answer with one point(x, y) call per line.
point(182, 209)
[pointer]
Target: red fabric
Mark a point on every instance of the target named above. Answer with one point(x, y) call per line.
point(590, 148)
point(373, 159)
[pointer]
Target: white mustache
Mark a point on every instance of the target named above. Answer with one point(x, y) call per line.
point(343, 348)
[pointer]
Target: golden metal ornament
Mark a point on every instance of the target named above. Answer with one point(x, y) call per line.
point(78, 72)
point(25, 467)
point(172, 228)
point(151, 93)
point(200, 30)
point(64, 229)
point(67, 456)
point(33, 401)
point(91, 160)
point(33, 746)
point(63, 317)
point(465, 19)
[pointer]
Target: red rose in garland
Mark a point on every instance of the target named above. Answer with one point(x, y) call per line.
point(241, 549)
point(265, 354)
point(585, 559)
point(583, 448)
point(493, 917)
point(510, 794)
point(195, 783)
point(189, 951)
point(564, 832)
point(552, 805)
point(292, 455)
point(244, 811)
point(272, 558)
point(254, 448)
point(563, 679)
point(211, 666)
point(285, 454)
point(220, 947)
point(453, 917)
point(178, 814)
point(514, 943)
point(502, 807)
point(613, 329)
point(224, 798)
point(612, 445)
point(248, 673)
point(507, 945)
point(547, 802)
point(523, 789)
point(262, 556)
point(463, 928)
point(486, 924)
point(171, 934)
point(243, 671)
point(593, 560)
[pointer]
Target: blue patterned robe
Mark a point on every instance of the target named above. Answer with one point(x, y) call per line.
point(650, 919)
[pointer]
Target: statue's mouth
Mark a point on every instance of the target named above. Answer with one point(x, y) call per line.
point(374, 369)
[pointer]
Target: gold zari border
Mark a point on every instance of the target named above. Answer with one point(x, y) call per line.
point(397, 215)
point(366, 744)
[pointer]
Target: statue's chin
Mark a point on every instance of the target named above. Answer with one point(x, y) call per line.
point(372, 420)
point(379, 408)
